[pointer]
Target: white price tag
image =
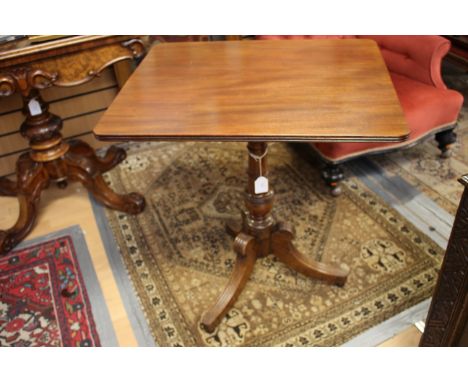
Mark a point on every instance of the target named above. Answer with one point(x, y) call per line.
point(261, 185)
point(34, 107)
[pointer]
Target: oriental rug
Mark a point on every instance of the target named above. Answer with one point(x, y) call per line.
point(179, 257)
point(33, 310)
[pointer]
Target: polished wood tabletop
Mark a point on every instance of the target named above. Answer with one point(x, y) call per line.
point(289, 90)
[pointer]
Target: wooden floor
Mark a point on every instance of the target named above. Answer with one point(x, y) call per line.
point(63, 208)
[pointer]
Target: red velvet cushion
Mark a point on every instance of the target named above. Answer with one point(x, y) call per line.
point(425, 107)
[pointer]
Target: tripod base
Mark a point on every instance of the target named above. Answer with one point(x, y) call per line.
point(79, 163)
point(258, 236)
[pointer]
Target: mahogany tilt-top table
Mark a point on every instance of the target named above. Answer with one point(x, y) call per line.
point(259, 92)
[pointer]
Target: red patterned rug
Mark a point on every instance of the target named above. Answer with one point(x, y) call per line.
point(43, 299)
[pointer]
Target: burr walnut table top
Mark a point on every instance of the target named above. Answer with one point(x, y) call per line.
point(290, 90)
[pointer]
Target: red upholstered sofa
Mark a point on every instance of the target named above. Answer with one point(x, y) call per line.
point(414, 64)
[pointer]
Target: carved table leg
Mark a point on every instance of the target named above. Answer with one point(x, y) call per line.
point(80, 163)
point(284, 250)
point(258, 236)
point(79, 150)
point(244, 246)
point(32, 179)
point(86, 167)
point(7, 187)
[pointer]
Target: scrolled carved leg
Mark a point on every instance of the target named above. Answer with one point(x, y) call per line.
point(333, 175)
point(132, 203)
point(284, 250)
point(114, 155)
point(7, 187)
point(245, 247)
point(86, 167)
point(445, 140)
point(32, 180)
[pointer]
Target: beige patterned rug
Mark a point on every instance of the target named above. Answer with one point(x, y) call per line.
point(179, 257)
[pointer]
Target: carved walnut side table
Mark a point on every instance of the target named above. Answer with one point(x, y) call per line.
point(65, 62)
point(259, 92)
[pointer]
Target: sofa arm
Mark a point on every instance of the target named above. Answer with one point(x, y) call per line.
point(417, 57)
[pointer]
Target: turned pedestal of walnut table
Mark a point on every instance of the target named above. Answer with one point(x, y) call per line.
point(259, 92)
point(65, 62)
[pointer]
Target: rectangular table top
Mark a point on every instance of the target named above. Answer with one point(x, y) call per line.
point(276, 90)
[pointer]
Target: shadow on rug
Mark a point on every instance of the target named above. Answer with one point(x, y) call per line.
point(33, 311)
point(179, 257)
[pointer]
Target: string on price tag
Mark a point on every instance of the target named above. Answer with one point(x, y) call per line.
point(261, 183)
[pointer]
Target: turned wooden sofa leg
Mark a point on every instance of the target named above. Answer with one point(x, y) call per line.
point(333, 175)
point(445, 140)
